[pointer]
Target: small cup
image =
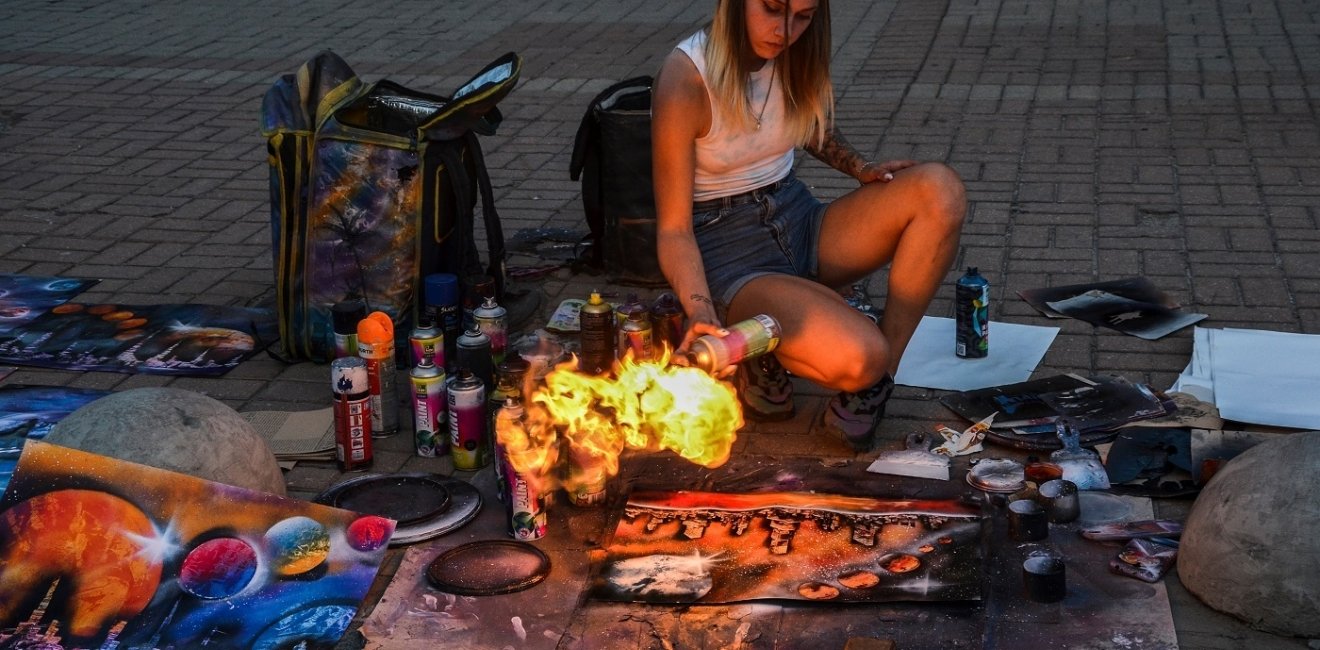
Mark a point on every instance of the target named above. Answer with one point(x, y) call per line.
point(1044, 578)
point(1026, 521)
point(1061, 502)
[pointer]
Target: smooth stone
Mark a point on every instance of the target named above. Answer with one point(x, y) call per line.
point(176, 430)
point(1251, 545)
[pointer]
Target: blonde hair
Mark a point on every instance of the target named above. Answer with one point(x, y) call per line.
point(802, 71)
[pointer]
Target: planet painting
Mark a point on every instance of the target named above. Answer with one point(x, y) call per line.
point(218, 568)
point(97, 552)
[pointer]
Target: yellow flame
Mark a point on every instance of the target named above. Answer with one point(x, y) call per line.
point(647, 405)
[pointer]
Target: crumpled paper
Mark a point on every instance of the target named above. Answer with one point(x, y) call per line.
point(966, 442)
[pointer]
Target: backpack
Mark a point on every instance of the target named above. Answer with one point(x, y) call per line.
point(373, 187)
point(612, 157)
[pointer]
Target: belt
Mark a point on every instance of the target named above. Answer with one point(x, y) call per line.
point(750, 196)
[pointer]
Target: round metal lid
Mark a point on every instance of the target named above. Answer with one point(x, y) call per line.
point(405, 498)
point(488, 568)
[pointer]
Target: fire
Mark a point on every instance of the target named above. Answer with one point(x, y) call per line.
point(645, 405)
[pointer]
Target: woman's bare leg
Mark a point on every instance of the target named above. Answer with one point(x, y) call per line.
point(912, 223)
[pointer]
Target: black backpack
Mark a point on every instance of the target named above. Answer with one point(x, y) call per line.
point(612, 156)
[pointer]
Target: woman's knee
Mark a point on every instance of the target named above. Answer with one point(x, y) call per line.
point(863, 362)
point(943, 193)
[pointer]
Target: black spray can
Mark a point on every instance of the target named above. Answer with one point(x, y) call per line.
point(346, 315)
point(971, 304)
point(667, 319)
point(596, 328)
point(474, 354)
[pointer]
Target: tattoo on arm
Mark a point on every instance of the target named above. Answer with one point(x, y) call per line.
point(697, 297)
point(836, 152)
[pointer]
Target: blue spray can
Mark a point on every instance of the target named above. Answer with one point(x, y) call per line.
point(971, 305)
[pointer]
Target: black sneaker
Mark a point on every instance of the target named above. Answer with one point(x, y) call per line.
point(857, 415)
point(764, 389)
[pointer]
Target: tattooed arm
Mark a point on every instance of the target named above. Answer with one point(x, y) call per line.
point(836, 152)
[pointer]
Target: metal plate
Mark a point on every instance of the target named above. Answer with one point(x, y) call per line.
point(488, 568)
point(998, 475)
point(464, 504)
point(405, 498)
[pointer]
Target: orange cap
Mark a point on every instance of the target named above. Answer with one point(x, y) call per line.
point(375, 329)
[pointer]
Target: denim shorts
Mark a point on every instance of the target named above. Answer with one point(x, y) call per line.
point(769, 230)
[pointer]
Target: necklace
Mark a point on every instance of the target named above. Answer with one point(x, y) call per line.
point(766, 100)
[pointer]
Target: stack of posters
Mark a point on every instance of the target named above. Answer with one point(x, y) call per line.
point(1095, 406)
point(1256, 376)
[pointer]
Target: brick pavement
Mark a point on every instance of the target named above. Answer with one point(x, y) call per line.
point(1174, 139)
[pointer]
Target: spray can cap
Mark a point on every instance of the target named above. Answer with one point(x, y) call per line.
point(375, 329)
point(347, 313)
point(595, 298)
point(442, 289)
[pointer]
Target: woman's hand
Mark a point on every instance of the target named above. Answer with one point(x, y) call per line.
point(701, 322)
point(882, 171)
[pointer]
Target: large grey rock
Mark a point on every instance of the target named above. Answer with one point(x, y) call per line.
point(177, 430)
point(1251, 545)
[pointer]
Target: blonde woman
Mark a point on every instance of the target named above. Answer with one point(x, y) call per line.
point(738, 235)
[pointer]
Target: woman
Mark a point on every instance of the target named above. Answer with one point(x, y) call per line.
point(738, 235)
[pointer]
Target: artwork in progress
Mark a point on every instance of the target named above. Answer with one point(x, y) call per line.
point(101, 553)
point(707, 547)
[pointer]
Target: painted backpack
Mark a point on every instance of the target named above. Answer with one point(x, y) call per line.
point(373, 187)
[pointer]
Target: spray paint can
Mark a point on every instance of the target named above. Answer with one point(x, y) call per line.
point(747, 339)
point(427, 342)
point(508, 420)
point(626, 307)
point(443, 309)
point(479, 288)
point(509, 377)
point(493, 320)
point(587, 479)
point(352, 414)
point(638, 336)
point(667, 319)
point(376, 347)
point(473, 351)
point(525, 503)
point(346, 315)
point(971, 304)
point(468, 443)
point(596, 328)
point(429, 406)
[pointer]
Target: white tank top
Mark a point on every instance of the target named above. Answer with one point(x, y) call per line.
point(731, 160)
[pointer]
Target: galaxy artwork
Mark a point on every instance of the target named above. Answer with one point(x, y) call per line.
point(705, 547)
point(157, 339)
point(100, 553)
point(25, 297)
point(29, 412)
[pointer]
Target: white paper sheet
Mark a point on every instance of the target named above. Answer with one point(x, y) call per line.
point(1015, 351)
point(1266, 377)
